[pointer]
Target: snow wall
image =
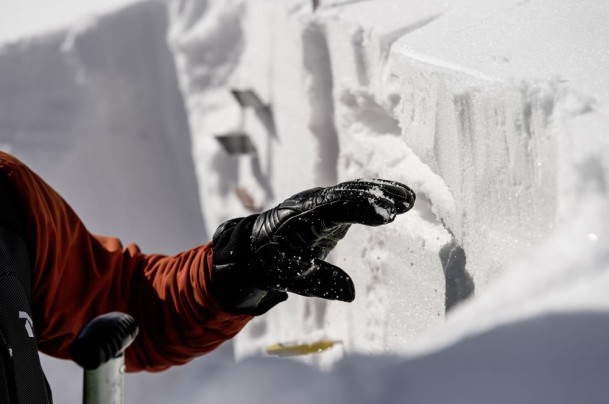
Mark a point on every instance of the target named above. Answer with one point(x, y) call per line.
point(495, 112)
point(488, 109)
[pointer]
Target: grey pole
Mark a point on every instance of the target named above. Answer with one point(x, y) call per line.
point(99, 348)
point(104, 385)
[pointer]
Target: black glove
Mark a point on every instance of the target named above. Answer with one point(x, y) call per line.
point(257, 259)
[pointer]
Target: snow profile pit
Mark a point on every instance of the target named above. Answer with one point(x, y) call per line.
point(495, 112)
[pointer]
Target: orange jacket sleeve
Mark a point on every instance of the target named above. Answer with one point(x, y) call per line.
point(77, 275)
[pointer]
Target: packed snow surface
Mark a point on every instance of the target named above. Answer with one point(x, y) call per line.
point(492, 289)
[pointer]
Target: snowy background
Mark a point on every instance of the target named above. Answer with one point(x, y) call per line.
point(493, 289)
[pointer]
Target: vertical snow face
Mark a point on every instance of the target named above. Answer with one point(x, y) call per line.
point(207, 41)
point(96, 109)
point(283, 57)
point(492, 145)
point(325, 130)
point(500, 148)
point(398, 269)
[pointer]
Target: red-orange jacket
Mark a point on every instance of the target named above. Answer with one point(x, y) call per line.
point(77, 275)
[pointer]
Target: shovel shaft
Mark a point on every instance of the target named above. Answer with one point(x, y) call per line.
point(104, 385)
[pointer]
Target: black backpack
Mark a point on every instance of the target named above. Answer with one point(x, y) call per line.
point(22, 380)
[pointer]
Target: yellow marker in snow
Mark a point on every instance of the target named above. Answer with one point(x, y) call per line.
point(295, 348)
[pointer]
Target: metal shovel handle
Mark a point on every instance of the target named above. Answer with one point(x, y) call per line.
point(99, 350)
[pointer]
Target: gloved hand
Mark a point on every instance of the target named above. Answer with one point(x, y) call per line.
point(257, 259)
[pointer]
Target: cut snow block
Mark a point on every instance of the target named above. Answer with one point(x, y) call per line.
point(237, 143)
point(248, 98)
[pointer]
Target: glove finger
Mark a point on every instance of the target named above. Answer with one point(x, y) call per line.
point(323, 280)
point(369, 202)
point(321, 247)
point(400, 195)
point(356, 206)
point(352, 207)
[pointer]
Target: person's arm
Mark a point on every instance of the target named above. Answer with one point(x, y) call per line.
point(188, 304)
point(77, 276)
point(173, 301)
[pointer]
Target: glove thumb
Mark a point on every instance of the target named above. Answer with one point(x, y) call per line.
point(322, 279)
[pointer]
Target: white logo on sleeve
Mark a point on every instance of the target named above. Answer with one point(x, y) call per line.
point(28, 323)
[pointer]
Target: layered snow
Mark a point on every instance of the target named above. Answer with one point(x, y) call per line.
point(494, 112)
point(437, 96)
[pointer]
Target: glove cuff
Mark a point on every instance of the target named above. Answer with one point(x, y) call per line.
point(231, 241)
point(234, 276)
